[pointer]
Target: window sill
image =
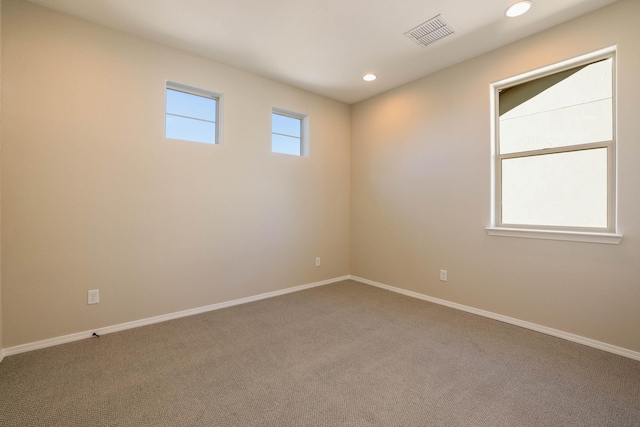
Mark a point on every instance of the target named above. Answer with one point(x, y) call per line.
point(569, 236)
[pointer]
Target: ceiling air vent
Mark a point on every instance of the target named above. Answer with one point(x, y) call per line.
point(431, 31)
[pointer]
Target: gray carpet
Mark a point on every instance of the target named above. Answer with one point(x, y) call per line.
point(345, 354)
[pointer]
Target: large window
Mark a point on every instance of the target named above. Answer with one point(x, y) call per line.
point(192, 114)
point(554, 163)
point(289, 133)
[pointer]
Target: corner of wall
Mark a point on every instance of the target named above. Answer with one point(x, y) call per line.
point(1, 350)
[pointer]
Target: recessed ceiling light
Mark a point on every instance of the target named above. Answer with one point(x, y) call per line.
point(369, 77)
point(518, 9)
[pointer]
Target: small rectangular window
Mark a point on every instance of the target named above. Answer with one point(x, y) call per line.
point(192, 114)
point(555, 148)
point(288, 132)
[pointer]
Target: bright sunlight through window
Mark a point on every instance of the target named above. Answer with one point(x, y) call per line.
point(555, 150)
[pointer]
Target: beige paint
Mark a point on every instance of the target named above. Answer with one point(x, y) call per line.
point(310, 44)
point(94, 196)
point(421, 193)
point(0, 178)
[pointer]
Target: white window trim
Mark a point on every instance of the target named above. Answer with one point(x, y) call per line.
point(607, 236)
point(304, 135)
point(199, 92)
point(568, 236)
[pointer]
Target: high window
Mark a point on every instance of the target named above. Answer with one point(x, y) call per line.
point(192, 114)
point(554, 162)
point(289, 133)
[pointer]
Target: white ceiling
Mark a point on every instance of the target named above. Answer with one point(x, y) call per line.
point(325, 46)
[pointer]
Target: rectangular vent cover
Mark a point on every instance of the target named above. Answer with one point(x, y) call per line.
point(431, 31)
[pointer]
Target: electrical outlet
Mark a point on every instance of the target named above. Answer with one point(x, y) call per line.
point(318, 262)
point(443, 275)
point(93, 297)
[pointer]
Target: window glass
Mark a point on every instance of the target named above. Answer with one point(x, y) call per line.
point(190, 129)
point(568, 108)
point(285, 125)
point(189, 105)
point(563, 189)
point(555, 150)
point(287, 133)
point(191, 114)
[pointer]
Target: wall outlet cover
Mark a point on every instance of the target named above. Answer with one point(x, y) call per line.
point(93, 297)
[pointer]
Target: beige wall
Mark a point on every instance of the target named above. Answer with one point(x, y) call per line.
point(94, 196)
point(0, 177)
point(421, 193)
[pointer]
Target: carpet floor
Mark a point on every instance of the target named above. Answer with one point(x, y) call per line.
point(345, 354)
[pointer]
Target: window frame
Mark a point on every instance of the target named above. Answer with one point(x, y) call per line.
point(218, 97)
point(571, 233)
point(304, 130)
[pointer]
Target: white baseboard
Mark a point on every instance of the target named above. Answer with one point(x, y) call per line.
point(528, 325)
point(157, 319)
point(151, 320)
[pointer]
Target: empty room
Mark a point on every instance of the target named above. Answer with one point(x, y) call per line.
point(328, 213)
